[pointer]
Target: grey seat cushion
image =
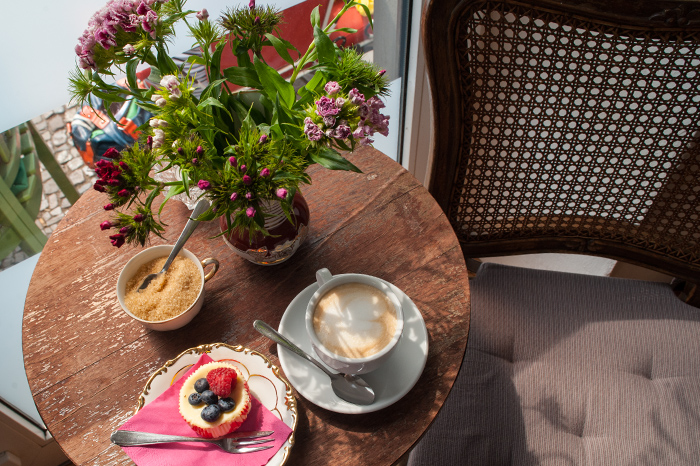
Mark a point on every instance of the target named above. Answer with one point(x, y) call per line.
point(568, 369)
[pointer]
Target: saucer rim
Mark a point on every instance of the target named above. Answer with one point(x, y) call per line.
point(338, 405)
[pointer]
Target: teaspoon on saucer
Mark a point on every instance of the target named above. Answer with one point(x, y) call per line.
point(192, 223)
point(349, 387)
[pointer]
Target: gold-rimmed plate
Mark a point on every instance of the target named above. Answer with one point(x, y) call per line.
point(264, 380)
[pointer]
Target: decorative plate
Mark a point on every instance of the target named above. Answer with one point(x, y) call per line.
point(264, 380)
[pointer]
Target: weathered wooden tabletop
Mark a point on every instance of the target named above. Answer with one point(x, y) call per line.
point(87, 362)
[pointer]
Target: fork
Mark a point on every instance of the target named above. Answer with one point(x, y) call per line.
point(240, 443)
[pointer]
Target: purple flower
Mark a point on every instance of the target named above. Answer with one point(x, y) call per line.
point(99, 187)
point(149, 141)
point(234, 196)
point(232, 160)
point(256, 21)
point(339, 102)
point(326, 107)
point(381, 73)
point(332, 87)
point(262, 139)
point(106, 225)
point(247, 180)
point(243, 168)
point(281, 193)
point(148, 23)
point(105, 39)
point(181, 151)
point(117, 240)
point(251, 4)
point(375, 102)
point(129, 49)
point(356, 97)
point(142, 9)
point(250, 212)
point(265, 172)
point(202, 15)
point(312, 131)
point(343, 131)
point(138, 218)
point(195, 161)
point(329, 121)
point(204, 185)
point(249, 195)
point(125, 230)
point(199, 150)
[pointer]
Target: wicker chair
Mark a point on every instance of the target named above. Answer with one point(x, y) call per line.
point(570, 126)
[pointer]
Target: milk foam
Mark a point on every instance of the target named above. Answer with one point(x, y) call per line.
point(354, 320)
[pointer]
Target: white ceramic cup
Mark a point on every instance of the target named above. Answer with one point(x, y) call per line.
point(148, 255)
point(326, 282)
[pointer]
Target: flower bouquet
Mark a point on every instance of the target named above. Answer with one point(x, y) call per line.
point(241, 155)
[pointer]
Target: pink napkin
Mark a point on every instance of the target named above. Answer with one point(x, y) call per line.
point(162, 416)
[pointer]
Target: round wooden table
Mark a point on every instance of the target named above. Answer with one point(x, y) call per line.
point(87, 362)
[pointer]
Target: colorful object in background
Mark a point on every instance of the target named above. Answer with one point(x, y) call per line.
point(93, 132)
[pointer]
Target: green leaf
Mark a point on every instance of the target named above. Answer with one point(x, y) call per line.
point(215, 85)
point(281, 46)
point(316, 17)
point(131, 75)
point(241, 76)
point(173, 191)
point(332, 160)
point(185, 181)
point(368, 13)
point(273, 83)
point(316, 82)
point(166, 65)
point(197, 60)
point(210, 102)
point(324, 46)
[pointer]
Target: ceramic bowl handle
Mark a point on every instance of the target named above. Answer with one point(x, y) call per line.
point(212, 272)
point(323, 276)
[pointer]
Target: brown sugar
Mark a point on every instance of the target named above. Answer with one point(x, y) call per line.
point(168, 295)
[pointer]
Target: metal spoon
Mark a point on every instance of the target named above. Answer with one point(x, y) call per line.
point(349, 387)
point(199, 209)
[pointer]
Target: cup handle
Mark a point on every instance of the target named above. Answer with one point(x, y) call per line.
point(212, 272)
point(322, 276)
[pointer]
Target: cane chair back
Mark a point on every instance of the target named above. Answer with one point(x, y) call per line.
point(569, 126)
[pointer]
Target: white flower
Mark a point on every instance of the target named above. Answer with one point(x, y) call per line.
point(202, 15)
point(129, 49)
point(158, 138)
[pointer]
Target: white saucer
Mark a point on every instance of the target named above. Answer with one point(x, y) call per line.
point(390, 382)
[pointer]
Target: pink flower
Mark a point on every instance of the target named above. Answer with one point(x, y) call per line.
point(202, 15)
point(332, 87)
point(247, 180)
point(265, 172)
point(106, 225)
point(99, 187)
point(234, 196)
point(232, 160)
point(326, 107)
point(243, 168)
point(249, 196)
point(123, 193)
point(282, 193)
point(117, 240)
point(195, 161)
point(125, 230)
point(204, 185)
point(250, 212)
point(251, 4)
point(138, 218)
point(262, 139)
point(108, 207)
point(199, 150)
point(129, 49)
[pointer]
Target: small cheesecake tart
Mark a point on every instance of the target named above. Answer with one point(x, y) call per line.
point(228, 421)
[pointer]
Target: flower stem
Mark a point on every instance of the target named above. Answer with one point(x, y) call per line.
point(302, 62)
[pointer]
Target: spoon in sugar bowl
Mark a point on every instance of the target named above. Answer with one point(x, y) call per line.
point(350, 388)
point(199, 209)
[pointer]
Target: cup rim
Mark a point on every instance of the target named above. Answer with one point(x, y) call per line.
point(352, 278)
point(122, 280)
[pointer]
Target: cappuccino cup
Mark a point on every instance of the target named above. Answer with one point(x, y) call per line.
point(354, 321)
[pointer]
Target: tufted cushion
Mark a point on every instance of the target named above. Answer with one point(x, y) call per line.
point(568, 369)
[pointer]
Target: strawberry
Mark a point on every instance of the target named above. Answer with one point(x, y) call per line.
point(222, 380)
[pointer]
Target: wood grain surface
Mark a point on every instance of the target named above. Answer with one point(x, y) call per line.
point(87, 361)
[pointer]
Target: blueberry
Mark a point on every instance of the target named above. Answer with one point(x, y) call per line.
point(195, 399)
point(201, 385)
point(211, 413)
point(226, 404)
point(209, 397)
